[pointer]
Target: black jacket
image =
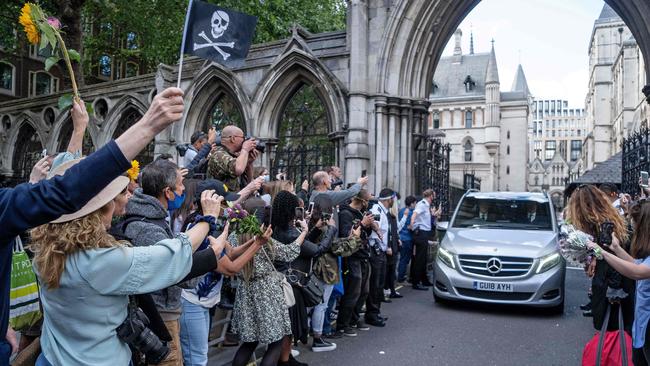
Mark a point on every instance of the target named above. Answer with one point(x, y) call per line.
point(393, 237)
point(308, 249)
point(347, 216)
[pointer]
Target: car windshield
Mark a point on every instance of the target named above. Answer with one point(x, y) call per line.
point(503, 214)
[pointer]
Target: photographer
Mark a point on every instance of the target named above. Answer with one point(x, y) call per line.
point(196, 143)
point(233, 158)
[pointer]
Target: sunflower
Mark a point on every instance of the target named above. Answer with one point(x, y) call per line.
point(134, 171)
point(27, 22)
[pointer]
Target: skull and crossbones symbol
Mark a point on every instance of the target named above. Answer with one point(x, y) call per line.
point(220, 22)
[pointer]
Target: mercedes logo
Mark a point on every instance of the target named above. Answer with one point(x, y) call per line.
point(493, 265)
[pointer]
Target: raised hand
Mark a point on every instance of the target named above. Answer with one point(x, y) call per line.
point(211, 203)
point(303, 225)
point(165, 109)
point(212, 136)
point(40, 170)
point(219, 243)
point(79, 115)
point(264, 238)
point(363, 181)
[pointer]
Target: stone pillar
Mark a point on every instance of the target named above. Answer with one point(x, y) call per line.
point(419, 126)
point(391, 142)
point(378, 165)
point(403, 182)
point(357, 149)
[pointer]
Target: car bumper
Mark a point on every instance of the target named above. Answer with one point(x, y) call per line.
point(540, 290)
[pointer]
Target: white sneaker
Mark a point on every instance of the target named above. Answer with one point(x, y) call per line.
point(295, 352)
point(386, 292)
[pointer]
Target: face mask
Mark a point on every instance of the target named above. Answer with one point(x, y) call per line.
point(267, 178)
point(176, 203)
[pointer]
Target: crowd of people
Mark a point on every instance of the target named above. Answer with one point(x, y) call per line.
point(620, 272)
point(132, 263)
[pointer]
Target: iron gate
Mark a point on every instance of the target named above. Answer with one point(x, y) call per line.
point(432, 170)
point(636, 153)
point(301, 161)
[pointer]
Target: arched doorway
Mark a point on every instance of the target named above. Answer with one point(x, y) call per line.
point(224, 112)
point(303, 143)
point(27, 153)
point(130, 117)
point(66, 134)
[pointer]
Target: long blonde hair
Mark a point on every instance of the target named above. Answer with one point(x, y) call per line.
point(589, 207)
point(52, 243)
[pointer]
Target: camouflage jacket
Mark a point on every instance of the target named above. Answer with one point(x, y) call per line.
point(222, 167)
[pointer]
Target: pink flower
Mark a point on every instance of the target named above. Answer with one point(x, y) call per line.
point(54, 22)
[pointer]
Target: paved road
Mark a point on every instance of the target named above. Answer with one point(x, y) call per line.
point(420, 332)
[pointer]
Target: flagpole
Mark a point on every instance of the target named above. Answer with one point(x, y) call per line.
point(180, 63)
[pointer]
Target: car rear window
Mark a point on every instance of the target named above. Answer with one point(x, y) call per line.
point(503, 214)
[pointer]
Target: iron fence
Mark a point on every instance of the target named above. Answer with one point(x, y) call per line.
point(636, 158)
point(432, 171)
point(301, 161)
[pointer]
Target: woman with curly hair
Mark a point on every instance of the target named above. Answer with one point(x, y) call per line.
point(260, 314)
point(86, 276)
point(588, 209)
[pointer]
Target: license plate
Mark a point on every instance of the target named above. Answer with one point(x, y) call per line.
point(493, 286)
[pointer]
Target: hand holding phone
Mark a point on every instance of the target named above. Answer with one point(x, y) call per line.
point(300, 213)
point(644, 179)
point(364, 173)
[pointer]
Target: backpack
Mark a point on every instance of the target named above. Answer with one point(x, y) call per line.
point(345, 247)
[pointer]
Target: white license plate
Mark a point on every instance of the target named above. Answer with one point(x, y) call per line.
point(493, 286)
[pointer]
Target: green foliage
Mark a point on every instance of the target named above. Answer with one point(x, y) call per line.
point(65, 101)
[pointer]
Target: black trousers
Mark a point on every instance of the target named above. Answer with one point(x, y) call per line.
point(419, 261)
point(391, 273)
point(641, 356)
point(356, 273)
point(376, 283)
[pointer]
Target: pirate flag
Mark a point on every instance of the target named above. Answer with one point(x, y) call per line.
point(218, 34)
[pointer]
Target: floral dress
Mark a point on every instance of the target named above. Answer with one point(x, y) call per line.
point(260, 314)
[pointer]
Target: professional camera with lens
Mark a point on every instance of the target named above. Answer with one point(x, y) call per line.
point(259, 145)
point(134, 331)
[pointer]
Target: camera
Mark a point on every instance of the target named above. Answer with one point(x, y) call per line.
point(376, 217)
point(134, 331)
point(326, 216)
point(182, 149)
point(259, 145)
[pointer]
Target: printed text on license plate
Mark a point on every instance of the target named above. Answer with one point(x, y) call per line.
point(493, 286)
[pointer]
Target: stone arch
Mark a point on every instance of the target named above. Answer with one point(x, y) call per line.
point(213, 83)
point(418, 30)
point(12, 150)
point(286, 76)
point(116, 113)
point(61, 125)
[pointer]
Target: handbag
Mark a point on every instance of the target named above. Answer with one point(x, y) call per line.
point(287, 290)
point(24, 299)
point(609, 348)
point(312, 290)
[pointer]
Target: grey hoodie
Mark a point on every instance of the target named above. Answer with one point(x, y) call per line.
point(168, 301)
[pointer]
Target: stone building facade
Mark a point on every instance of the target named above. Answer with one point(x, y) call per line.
point(614, 104)
point(486, 127)
point(373, 81)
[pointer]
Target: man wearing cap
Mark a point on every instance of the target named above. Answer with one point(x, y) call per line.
point(234, 158)
point(30, 205)
point(196, 143)
point(379, 248)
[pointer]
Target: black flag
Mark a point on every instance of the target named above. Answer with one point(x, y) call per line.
point(218, 34)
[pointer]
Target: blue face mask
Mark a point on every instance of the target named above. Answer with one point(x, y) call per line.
point(176, 203)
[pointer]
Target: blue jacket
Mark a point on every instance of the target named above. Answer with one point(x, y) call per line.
point(30, 205)
point(405, 233)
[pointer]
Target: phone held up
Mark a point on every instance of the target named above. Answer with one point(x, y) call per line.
point(605, 235)
point(300, 213)
point(644, 179)
point(364, 173)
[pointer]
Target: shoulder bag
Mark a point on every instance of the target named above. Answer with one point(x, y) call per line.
point(287, 290)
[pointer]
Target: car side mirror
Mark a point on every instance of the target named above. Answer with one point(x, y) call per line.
point(442, 225)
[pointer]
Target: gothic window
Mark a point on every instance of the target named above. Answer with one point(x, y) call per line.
point(132, 69)
point(468, 119)
point(27, 152)
point(304, 146)
point(66, 134)
point(131, 41)
point(7, 78)
point(436, 119)
point(105, 66)
point(42, 83)
point(469, 84)
point(225, 112)
point(468, 150)
point(129, 117)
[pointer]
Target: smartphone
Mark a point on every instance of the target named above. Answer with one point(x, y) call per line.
point(363, 173)
point(644, 179)
point(300, 213)
point(44, 153)
point(311, 207)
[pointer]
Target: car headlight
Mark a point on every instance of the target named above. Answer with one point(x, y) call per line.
point(548, 262)
point(446, 258)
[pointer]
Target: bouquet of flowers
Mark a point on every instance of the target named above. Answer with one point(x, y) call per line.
point(241, 221)
point(573, 245)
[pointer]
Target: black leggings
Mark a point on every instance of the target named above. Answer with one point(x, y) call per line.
point(640, 356)
point(245, 351)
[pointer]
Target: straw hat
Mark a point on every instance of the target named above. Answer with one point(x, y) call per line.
point(102, 198)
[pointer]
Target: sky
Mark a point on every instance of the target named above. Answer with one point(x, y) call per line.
point(549, 38)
